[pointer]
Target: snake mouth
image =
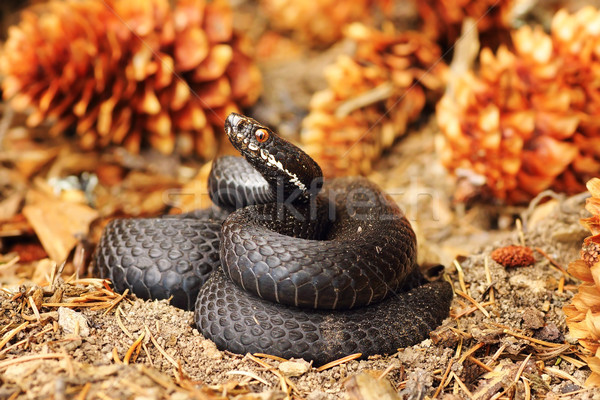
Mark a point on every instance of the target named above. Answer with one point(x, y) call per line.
point(239, 130)
point(231, 124)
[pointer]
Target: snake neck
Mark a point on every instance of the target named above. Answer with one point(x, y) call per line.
point(290, 172)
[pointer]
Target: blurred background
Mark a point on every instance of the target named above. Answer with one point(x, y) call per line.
point(464, 111)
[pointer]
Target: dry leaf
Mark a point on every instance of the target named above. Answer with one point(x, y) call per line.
point(59, 224)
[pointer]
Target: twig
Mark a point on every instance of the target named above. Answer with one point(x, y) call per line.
point(459, 348)
point(161, 350)
point(474, 302)
point(496, 354)
point(76, 304)
point(481, 364)
point(577, 363)
point(56, 271)
point(520, 231)
point(83, 394)
point(552, 262)
point(386, 371)
point(249, 374)
point(472, 309)
point(116, 301)
point(498, 395)
point(378, 93)
point(462, 386)
point(36, 312)
point(527, 388)
point(562, 374)
point(443, 381)
point(561, 285)
point(115, 354)
point(469, 352)
point(132, 348)
point(26, 340)
point(544, 353)
point(120, 323)
point(574, 392)
point(339, 361)
point(461, 276)
point(522, 367)
point(148, 354)
point(12, 333)
point(533, 340)
point(526, 215)
point(23, 359)
point(285, 383)
point(272, 357)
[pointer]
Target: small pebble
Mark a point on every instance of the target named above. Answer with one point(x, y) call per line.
point(73, 322)
point(533, 319)
point(549, 333)
point(71, 342)
point(210, 350)
point(294, 367)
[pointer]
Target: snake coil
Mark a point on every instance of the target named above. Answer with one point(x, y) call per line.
point(286, 264)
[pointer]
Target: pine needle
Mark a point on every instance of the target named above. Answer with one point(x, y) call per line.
point(132, 348)
point(12, 334)
point(474, 302)
point(248, 374)
point(339, 361)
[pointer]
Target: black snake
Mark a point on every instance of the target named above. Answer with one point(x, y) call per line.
point(286, 263)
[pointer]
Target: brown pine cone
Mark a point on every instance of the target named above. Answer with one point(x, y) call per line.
point(442, 19)
point(130, 73)
point(318, 22)
point(526, 122)
point(583, 313)
point(371, 98)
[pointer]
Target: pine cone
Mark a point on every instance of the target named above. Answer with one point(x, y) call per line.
point(371, 98)
point(130, 73)
point(527, 121)
point(583, 313)
point(317, 22)
point(442, 19)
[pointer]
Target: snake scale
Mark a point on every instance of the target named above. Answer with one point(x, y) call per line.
point(285, 263)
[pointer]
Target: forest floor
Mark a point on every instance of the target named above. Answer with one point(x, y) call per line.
point(69, 336)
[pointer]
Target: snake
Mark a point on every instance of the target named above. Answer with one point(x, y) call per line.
point(284, 262)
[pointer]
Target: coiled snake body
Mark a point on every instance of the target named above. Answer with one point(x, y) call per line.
point(285, 264)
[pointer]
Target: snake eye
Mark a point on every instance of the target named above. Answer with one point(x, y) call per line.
point(261, 135)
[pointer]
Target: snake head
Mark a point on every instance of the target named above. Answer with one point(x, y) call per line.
point(279, 161)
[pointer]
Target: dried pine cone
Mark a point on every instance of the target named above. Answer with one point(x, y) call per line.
point(319, 22)
point(130, 72)
point(443, 19)
point(583, 313)
point(371, 98)
point(528, 120)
